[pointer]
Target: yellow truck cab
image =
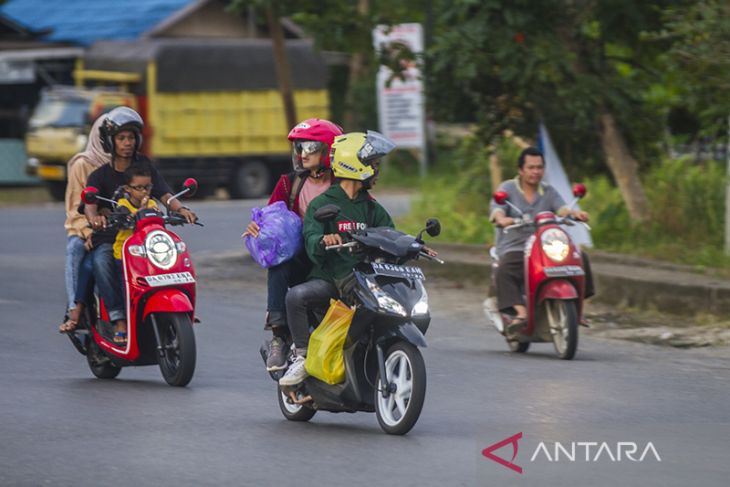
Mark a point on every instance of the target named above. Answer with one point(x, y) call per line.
point(59, 127)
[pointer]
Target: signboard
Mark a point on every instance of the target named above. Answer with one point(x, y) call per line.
point(400, 102)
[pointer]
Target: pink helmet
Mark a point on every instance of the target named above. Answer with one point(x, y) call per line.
point(314, 129)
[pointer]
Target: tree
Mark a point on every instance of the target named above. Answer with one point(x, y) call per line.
point(700, 36)
point(581, 64)
point(346, 26)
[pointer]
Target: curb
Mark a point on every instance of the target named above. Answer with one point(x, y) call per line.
point(625, 281)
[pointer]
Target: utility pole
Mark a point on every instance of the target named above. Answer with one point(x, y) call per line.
point(282, 64)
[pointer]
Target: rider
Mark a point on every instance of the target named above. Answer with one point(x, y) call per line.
point(78, 247)
point(121, 136)
point(531, 195)
point(355, 159)
point(312, 175)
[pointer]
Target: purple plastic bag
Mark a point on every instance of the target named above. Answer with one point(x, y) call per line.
point(280, 237)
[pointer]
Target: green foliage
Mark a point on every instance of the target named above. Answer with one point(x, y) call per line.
point(517, 62)
point(464, 217)
point(700, 54)
point(688, 208)
point(458, 191)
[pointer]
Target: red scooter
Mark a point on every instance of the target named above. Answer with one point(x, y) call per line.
point(159, 281)
point(554, 283)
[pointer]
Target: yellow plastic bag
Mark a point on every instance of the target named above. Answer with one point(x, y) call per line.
point(324, 354)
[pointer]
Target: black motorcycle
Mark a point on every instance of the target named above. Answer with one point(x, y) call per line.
point(384, 370)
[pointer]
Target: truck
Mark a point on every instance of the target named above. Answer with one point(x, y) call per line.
point(212, 108)
point(59, 128)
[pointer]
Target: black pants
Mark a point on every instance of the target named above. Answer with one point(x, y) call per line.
point(279, 279)
point(510, 279)
point(300, 299)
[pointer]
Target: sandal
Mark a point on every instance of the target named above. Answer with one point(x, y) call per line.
point(68, 326)
point(120, 338)
point(517, 323)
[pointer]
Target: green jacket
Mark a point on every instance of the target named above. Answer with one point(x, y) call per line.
point(334, 265)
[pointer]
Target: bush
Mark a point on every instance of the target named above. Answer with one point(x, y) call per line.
point(687, 222)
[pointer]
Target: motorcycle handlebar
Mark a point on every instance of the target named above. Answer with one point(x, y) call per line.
point(430, 257)
point(341, 246)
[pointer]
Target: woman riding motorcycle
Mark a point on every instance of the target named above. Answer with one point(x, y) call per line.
point(311, 141)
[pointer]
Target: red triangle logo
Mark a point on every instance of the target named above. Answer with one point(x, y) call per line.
point(487, 452)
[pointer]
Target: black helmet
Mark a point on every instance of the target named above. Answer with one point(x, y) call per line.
point(118, 120)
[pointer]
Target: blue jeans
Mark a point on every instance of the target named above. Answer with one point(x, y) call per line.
point(85, 280)
point(108, 282)
point(279, 279)
point(75, 252)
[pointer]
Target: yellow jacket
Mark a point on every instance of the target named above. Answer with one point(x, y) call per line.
point(124, 234)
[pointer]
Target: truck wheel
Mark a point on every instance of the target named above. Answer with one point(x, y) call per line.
point(57, 189)
point(252, 179)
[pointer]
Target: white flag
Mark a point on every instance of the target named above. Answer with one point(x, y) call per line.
point(555, 176)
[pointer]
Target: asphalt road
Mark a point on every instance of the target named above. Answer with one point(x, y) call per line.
point(61, 426)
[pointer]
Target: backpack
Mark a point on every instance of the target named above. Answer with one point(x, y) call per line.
point(296, 182)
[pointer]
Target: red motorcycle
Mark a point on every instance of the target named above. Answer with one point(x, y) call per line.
point(554, 283)
point(159, 281)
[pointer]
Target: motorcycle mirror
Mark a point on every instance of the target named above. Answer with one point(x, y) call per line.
point(500, 197)
point(327, 213)
point(191, 185)
point(433, 227)
point(88, 195)
point(579, 190)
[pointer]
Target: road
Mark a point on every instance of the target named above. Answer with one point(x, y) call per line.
point(60, 426)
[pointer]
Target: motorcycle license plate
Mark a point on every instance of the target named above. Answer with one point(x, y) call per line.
point(392, 270)
point(170, 279)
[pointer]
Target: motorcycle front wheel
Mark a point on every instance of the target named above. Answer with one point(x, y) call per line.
point(562, 318)
point(406, 373)
point(178, 342)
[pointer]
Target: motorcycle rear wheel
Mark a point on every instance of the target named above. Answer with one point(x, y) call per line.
point(562, 318)
point(178, 339)
point(294, 412)
point(100, 366)
point(517, 347)
point(404, 367)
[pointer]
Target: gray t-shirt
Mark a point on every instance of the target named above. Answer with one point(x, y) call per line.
point(547, 199)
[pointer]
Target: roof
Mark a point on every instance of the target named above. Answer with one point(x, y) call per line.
point(210, 64)
point(84, 22)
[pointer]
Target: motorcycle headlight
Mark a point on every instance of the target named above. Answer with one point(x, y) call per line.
point(555, 244)
point(385, 302)
point(421, 307)
point(160, 249)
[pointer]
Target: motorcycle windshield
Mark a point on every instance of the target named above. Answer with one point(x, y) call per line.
point(388, 240)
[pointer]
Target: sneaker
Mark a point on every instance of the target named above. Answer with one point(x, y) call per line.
point(276, 359)
point(295, 374)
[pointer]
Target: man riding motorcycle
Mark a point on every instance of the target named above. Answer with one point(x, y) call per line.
point(121, 136)
point(355, 160)
point(531, 195)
